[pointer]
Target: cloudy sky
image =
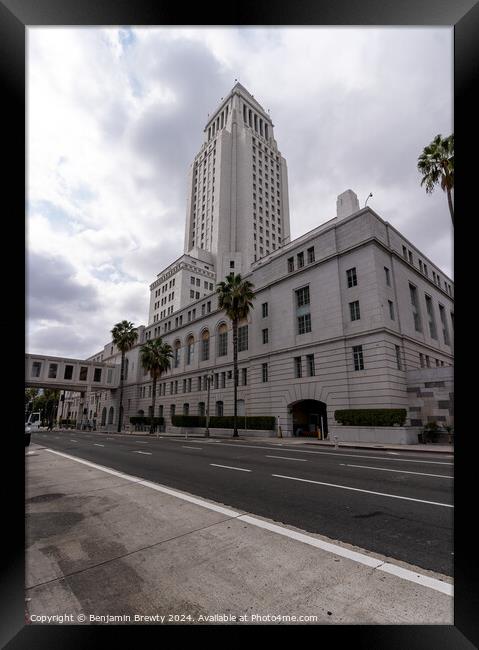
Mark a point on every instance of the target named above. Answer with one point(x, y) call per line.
point(116, 115)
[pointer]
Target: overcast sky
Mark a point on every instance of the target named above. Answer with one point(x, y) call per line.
point(116, 115)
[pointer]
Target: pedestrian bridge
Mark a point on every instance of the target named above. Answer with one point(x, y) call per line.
point(70, 374)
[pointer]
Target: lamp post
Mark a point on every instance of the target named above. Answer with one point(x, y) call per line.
point(209, 379)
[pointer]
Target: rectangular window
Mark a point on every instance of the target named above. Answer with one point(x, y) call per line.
point(432, 320)
point(354, 310)
point(352, 277)
point(290, 264)
point(223, 380)
point(217, 380)
point(404, 252)
point(97, 375)
point(242, 338)
point(83, 373)
point(411, 261)
point(244, 376)
point(300, 258)
point(358, 357)
point(265, 336)
point(421, 360)
point(415, 308)
point(37, 368)
point(445, 329)
point(304, 324)
point(391, 309)
point(264, 372)
point(52, 371)
point(264, 308)
point(310, 365)
point(428, 361)
point(222, 344)
point(310, 252)
point(398, 357)
point(388, 276)
point(302, 297)
point(297, 367)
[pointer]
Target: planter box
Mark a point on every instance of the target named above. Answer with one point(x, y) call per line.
point(227, 433)
point(393, 435)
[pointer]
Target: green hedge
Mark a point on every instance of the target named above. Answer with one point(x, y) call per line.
point(67, 423)
point(371, 417)
point(262, 423)
point(144, 419)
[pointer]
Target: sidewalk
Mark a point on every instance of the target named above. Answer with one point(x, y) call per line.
point(101, 543)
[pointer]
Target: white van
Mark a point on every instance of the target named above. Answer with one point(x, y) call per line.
point(32, 424)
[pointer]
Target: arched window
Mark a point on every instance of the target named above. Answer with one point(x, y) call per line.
point(205, 346)
point(222, 340)
point(177, 347)
point(219, 408)
point(190, 349)
point(111, 413)
point(103, 417)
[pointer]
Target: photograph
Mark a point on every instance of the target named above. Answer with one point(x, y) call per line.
point(239, 361)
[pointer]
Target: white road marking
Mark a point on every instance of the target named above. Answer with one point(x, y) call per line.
point(406, 574)
point(303, 460)
point(97, 445)
point(186, 447)
point(147, 453)
point(240, 469)
point(400, 471)
point(346, 487)
point(71, 440)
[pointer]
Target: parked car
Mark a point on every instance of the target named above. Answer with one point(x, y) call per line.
point(32, 424)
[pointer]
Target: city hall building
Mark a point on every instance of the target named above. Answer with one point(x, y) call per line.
point(350, 315)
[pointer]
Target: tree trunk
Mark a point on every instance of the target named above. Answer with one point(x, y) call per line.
point(153, 405)
point(451, 207)
point(121, 391)
point(235, 375)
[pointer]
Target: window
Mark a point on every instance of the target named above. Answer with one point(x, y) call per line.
point(232, 264)
point(186, 408)
point(97, 374)
point(358, 357)
point(445, 330)
point(244, 376)
point(310, 365)
point(398, 357)
point(52, 371)
point(354, 310)
point(37, 367)
point(205, 346)
point(421, 360)
point(415, 308)
point(201, 408)
point(219, 409)
point(297, 367)
point(242, 338)
point(432, 320)
point(222, 340)
point(264, 372)
point(264, 309)
point(404, 252)
point(265, 336)
point(290, 264)
point(300, 258)
point(310, 253)
point(391, 309)
point(83, 373)
point(411, 261)
point(352, 277)
point(172, 410)
point(190, 348)
point(388, 276)
point(303, 310)
point(192, 280)
point(428, 361)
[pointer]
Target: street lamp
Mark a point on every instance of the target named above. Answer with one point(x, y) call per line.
point(209, 379)
point(369, 196)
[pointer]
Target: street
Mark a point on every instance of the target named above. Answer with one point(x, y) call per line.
point(398, 504)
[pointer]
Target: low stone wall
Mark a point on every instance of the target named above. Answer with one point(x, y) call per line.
point(393, 435)
point(227, 433)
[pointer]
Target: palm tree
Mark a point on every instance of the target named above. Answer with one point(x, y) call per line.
point(235, 297)
point(124, 337)
point(155, 356)
point(436, 164)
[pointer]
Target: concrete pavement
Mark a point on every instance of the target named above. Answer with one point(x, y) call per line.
point(104, 544)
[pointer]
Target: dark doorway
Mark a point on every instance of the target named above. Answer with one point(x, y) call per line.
point(309, 417)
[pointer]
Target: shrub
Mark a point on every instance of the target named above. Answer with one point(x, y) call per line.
point(431, 431)
point(260, 422)
point(144, 419)
point(371, 417)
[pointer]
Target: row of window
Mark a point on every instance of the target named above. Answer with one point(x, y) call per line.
point(416, 312)
point(165, 287)
point(425, 361)
point(53, 372)
point(409, 257)
point(300, 259)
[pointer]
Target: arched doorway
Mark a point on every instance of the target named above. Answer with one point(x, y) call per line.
point(309, 416)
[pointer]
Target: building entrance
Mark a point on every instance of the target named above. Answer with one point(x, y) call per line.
point(309, 417)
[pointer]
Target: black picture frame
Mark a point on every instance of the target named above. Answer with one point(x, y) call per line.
point(15, 17)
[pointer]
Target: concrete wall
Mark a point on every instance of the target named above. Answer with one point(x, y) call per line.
point(431, 396)
point(392, 435)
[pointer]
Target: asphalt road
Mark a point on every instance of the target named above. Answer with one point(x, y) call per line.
point(398, 504)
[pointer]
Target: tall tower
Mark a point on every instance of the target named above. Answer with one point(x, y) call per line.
point(237, 204)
